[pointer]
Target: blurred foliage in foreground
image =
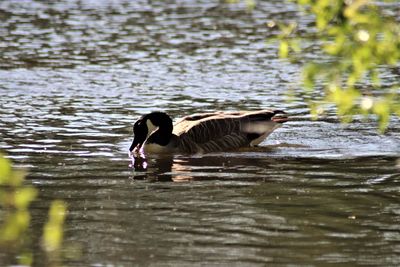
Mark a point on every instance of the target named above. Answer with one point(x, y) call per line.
point(15, 198)
point(360, 39)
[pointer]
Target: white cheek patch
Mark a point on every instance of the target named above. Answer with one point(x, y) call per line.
point(151, 128)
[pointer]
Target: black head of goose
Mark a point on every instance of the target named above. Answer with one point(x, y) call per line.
point(202, 133)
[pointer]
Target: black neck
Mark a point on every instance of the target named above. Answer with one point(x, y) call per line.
point(161, 137)
point(164, 133)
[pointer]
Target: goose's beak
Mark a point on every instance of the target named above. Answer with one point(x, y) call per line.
point(136, 144)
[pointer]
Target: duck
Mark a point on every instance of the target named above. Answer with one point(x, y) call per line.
point(205, 132)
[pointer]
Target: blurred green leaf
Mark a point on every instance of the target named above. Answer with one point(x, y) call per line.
point(24, 196)
point(284, 49)
point(309, 73)
point(383, 111)
point(14, 226)
point(53, 230)
point(17, 177)
point(15, 198)
point(5, 169)
point(250, 4)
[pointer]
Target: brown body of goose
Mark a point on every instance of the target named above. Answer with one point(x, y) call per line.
point(203, 133)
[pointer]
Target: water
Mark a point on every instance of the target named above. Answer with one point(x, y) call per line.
point(75, 75)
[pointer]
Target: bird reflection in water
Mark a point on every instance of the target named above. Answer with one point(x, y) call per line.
point(161, 168)
point(181, 168)
point(138, 161)
point(182, 172)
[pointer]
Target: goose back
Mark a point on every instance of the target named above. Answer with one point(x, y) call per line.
point(209, 132)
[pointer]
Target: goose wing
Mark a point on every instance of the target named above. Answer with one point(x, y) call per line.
point(220, 131)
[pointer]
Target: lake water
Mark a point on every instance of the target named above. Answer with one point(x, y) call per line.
point(75, 75)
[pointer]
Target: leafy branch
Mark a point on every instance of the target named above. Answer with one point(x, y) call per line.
point(15, 199)
point(360, 42)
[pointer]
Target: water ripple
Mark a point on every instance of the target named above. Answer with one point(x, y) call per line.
point(75, 75)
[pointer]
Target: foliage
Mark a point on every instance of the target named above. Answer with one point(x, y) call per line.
point(360, 40)
point(15, 198)
point(52, 232)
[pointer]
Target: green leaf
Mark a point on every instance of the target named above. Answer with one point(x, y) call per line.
point(5, 170)
point(382, 110)
point(14, 226)
point(309, 75)
point(24, 196)
point(53, 229)
point(284, 49)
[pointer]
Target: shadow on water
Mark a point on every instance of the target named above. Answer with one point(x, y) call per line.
point(256, 166)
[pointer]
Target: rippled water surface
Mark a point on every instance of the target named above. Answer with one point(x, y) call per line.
point(74, 77)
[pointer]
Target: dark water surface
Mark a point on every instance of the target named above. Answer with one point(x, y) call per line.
point(76, 74)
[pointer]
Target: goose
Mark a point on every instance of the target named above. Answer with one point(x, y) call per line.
point(204, 133)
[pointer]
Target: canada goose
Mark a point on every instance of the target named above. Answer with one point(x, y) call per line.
point(202, 133)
